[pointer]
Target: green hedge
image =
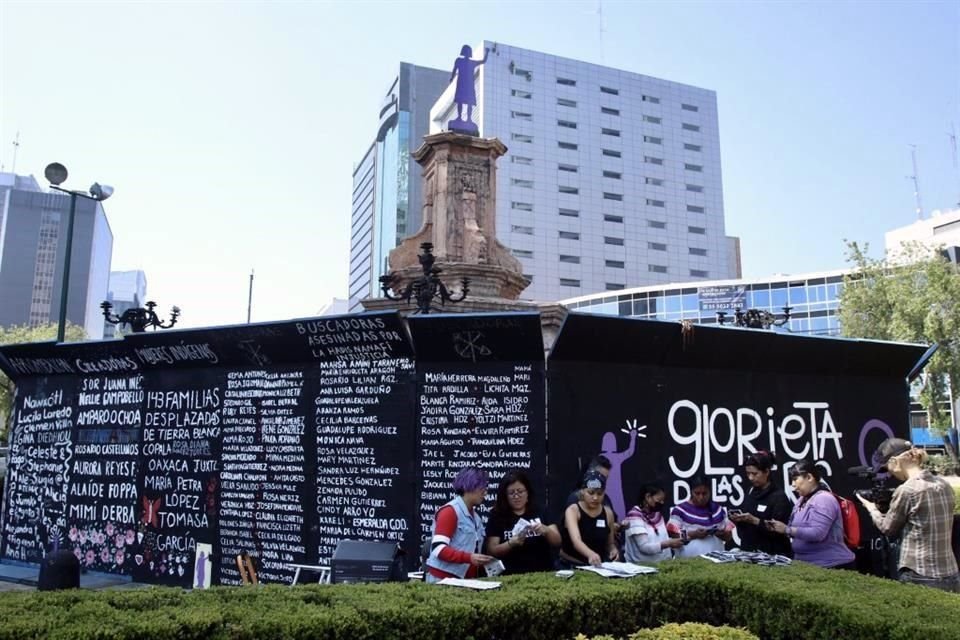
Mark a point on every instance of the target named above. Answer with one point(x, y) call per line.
point(684, 631)
point(798, 602)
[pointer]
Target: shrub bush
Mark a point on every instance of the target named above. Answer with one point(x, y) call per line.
point(685, 631)
point(800, 602)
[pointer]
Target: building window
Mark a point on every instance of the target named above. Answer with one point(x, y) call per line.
point(614, 287)
point(699, 273)
point(657, 182)
point(652, 119)
point(617, 197)
point(569, 282)
point(570, 190)
point(692, 147)
point(696, 251)
point(521, 206)
point(612, 218)
point(570, 168)
point(656, 246)
point(523, 253)
point(517, 71)
point(528, 276)
point(613, 92)
point(656, 268)
point(566, 124)
point(568, 235)
point(613, 175)
point(689, 107)
point(518, 182)
point(517, 93)
point(695, 188)
point(567, 145)
point(521, 137)
point(564, 102)
point(569, 213)
point(652, 160)
point(614, 264)
point(653, 139)
point(520, 115)
point(656, 203)
point(617, 242)
point(567, 82)
point(610, 132)
point(611, 153)
point(521, 160)
point(570, 259)
point(693, 167)
point(656, 224)
point(651, 99)
point(698, 230)
point(609, 111)
point(516, 228)
point(692, 208)
point(690, 127)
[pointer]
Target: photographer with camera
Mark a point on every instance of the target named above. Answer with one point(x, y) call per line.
point(922, 508)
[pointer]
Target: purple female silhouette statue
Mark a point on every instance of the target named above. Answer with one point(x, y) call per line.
point(614, 482)
point(466, 95)
point(199, 571)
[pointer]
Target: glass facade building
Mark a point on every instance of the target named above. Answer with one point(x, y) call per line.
point(387, 203)
point(813, 298)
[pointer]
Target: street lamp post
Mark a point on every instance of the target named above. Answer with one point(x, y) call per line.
point(139, 318)
point(427, 287)
point(755, 318)
point(56, 173)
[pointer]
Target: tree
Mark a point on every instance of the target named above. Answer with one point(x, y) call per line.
point(18, 334)
point(913, 296)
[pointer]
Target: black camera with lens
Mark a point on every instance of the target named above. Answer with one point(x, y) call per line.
point(879, 494)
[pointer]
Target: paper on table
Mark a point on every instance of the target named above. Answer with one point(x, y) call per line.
point(619, 569)
point(479, 585)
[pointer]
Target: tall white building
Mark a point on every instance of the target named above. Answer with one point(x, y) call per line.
point(612, 178)
point(940, 231)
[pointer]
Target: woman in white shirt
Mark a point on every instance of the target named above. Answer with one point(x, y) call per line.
point(646, 538)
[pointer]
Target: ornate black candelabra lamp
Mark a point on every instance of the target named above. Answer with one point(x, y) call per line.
point(755, 318)
point(139, 318)
point(427, 287)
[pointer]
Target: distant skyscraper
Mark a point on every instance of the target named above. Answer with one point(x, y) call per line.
point(127, 290)
point(612, 178)
point(32, 244)
point(386, 182)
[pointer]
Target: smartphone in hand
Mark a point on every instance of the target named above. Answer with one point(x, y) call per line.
point(735, 512)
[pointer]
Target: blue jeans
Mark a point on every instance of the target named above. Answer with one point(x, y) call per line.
point(950, 583)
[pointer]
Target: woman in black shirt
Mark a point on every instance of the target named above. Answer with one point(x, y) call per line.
point(765, 501)
point(588, 532)
point(523, 548)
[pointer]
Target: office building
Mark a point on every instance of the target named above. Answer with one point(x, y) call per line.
point(612, 179)
point(127, 290)
point(32, 244)
point(940, 231)
point(813, 298)
point(387, 204)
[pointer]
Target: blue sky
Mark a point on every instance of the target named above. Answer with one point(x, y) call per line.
point(230, 130)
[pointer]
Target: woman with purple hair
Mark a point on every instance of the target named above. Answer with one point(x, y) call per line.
point(458, 530)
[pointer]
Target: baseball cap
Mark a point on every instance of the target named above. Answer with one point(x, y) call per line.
point(593, 480)
point(889, 448)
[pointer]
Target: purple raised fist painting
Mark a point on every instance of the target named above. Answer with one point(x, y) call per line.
point(466, 95)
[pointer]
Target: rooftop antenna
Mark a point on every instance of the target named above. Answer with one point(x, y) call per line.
point(601, 29)
point(953, 148)
point(916, 181)
point(16, 146)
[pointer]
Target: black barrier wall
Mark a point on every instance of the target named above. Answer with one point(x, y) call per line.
point(163, 456)
point(667, 406)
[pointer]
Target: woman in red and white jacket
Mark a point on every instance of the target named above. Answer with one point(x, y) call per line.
point(458, 530)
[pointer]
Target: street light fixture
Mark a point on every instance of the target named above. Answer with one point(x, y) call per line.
point(755, 318)
point(427, 287)
point(138, 318)
point(56, 174)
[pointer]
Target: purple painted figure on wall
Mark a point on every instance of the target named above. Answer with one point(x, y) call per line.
point(466, 95)
point(608, 449)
